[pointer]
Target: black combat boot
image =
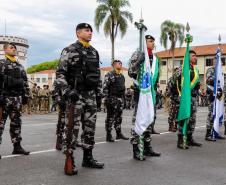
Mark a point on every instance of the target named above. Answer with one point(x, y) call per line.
point(192, 142)
point(59, 143)
point(153, 129)
point(209, 136)
point(180, 143)
point(119, 135)
point(172, 128)
point(109, 137)
point(136, 153)
point(148, 151)
point(225, 128)
point(19, 150)
point(89, 161)
point(220, 137)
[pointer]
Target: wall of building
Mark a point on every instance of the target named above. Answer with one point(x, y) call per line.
point(166, 70)
point(42, 79)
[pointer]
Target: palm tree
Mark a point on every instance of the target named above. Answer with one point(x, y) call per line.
point(172, 32)
point(114, 18)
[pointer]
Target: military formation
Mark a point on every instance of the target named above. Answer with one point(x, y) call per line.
point(78, 94)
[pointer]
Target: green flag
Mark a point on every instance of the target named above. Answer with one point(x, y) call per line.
point(185, 99)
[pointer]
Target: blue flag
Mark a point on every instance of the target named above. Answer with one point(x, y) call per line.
point(218, 106)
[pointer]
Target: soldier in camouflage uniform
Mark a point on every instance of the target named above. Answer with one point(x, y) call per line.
point(34, 92)
point(210, 95)
point(134, 66)
point(194, 76)
point(47, 99)
point(14, 91)
point(78, 76)
point(29, 103)
point(174, 105)
point(209, 90)
point(114, 95)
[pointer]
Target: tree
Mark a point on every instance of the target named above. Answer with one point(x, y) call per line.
point(110, 13)
point(43, 66)
point(172, 32)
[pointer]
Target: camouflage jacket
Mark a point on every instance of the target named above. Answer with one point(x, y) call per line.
point(210, 81)
point(21, 90)
point(134, 66)
point(71, 56)
point(176, 79)
point(110, 88)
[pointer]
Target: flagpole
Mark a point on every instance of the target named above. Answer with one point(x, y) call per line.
point(185, 98)
point(142, 28)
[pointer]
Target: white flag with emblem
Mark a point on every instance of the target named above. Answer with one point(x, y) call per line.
point(145, 109)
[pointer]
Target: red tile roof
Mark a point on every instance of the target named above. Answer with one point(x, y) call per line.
point(46, 72)
point(205, 50)
point(109, 68)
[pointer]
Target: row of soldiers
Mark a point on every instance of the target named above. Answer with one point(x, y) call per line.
point(82, 91)
point(174, 100)
point(78, 87)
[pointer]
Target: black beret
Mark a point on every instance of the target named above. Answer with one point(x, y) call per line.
point(117, 61)
point(83, 26)
point(10, 43)
point(149, 37)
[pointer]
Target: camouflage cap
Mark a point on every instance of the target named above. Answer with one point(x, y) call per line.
point(83, 26)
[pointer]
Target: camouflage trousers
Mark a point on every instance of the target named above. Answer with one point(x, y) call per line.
point(192, 120)
point(34, 103)
point(28, 107)
point(173, 111)
point(85, 113)
point(147, 133)
point(209, 121)
point(115, 107)
point(45, 104)
point(12, 109)
point(61, 121)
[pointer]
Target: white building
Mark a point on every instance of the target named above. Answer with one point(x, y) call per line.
point(21, 44)
point(41, 78)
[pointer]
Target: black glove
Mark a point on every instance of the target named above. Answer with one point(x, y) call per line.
point(24, 100)
point(2, 100)
point(72, 95)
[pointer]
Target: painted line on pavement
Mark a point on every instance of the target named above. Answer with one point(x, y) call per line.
point(162, 133)
point(103, 142)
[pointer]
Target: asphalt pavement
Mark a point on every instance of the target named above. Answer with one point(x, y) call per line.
point(196, 166)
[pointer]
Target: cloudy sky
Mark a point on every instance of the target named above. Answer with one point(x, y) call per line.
point(49, 24)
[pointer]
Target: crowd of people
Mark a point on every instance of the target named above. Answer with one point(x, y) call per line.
point(40, 100)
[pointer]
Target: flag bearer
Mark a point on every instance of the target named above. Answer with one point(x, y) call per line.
point(136, 60)
point(194, 85)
